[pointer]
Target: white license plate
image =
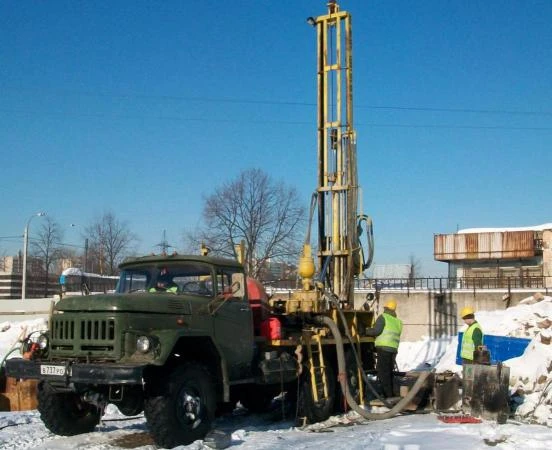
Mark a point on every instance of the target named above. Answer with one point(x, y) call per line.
point(46, 369)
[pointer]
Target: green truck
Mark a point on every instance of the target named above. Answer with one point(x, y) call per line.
point(180, 355)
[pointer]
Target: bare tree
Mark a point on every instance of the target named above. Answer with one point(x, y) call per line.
point(109, 240)
point(253, 208)
point(47, 247)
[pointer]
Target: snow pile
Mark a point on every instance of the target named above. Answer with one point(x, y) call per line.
point(525, 320)
point(531, 379)
point(12, 334)
point(530, 373)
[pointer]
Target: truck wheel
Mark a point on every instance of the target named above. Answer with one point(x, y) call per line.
point(65, 413)
point(183, 412)
point(316, 411)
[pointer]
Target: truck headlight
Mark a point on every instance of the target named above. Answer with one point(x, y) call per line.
point(42, 342)
point(143, 344)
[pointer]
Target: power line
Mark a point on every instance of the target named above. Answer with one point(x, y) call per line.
point(461, 127)
point(62, 244)
point(282, 102)
point(276, 122)
point(171, 118)
point(461, 110)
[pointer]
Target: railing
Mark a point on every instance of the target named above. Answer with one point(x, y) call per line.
point(93, 284)
point(39, 287)
point(436, 283)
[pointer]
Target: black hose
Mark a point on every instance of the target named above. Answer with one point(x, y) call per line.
point(367, 382)
point(323, 320)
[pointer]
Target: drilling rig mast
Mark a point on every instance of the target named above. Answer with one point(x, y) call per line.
point(337, 175)
point(340, 254)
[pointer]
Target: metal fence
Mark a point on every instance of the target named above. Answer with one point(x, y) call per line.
point(40, 286)
point(91, 284)
point(437, 283)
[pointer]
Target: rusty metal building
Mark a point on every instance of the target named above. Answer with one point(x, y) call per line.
point(520, 255)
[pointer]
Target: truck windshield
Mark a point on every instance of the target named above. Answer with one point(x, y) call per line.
point(184, 278)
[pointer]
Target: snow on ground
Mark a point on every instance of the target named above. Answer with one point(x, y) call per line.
point(530, 377)
point(413, 432)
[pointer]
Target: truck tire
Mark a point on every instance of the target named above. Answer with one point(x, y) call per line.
point(64, 413)
point(184, 410)
point(316, 411)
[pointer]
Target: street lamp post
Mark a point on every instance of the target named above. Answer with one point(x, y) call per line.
point(25, 249)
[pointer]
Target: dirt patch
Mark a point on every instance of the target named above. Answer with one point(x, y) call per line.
point(134, 440)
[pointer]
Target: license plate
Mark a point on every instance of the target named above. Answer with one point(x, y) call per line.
point(47, 369)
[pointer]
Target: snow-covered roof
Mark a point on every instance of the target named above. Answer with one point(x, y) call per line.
point(72, 271)
point(78, 272)
point(546, 226)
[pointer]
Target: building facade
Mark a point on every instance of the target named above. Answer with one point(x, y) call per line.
point(522, 256)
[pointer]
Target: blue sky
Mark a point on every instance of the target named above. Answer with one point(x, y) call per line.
point(142, 108)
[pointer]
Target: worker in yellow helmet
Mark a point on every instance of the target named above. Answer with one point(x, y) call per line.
point(164, 283)
point(387, 331)
point(473, 336)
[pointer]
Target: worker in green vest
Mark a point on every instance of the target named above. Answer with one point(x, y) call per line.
point(473, 336)
point(164, 283)
point(164, 286)
point(387, 331)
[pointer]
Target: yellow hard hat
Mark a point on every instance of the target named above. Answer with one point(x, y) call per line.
point(466, 311)
point(391, 304)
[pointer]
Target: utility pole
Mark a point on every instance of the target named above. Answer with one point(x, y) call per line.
point(86, 255)
point(25, 250)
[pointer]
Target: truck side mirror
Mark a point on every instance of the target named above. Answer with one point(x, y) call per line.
point(238, 283)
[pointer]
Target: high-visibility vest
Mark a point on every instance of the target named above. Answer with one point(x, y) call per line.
point(468, 346)
point(172, 289)
point(391, 334)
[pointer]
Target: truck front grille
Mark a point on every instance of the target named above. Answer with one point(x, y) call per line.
point(78, 337)
point(97, 330)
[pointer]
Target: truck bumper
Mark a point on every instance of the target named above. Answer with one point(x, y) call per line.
point(75, 372)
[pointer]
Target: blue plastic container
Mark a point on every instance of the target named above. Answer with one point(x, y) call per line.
point(500, 347)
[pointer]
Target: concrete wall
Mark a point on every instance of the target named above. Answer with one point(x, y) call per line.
point(28, 309)
point(432, 314)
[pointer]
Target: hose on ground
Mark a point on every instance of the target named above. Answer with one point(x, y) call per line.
point(323, 320)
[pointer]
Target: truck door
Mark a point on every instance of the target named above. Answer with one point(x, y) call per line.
point(234, 323)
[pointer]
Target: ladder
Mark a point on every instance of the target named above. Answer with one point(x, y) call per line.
point(317, 368)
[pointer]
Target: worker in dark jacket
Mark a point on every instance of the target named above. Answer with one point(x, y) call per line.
point(387, 331)
point(473, 336)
